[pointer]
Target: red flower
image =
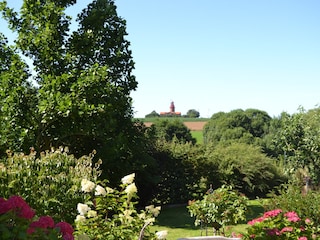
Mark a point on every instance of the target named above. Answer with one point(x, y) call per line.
point(66, 230)
point(43, 222)
point(68, 236)
point(16, 203)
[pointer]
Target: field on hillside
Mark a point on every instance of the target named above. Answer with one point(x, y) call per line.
point(194, 124)
point(183, 119)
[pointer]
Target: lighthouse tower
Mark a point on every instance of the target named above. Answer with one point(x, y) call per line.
point(172, 108)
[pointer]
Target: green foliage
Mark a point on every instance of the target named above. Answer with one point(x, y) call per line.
point(83, 79)
point(49, 183)
point(152, 115)
point(222, 207)
point(17, 100)
point(109, 213)
point(81, 84)
point(238, 125)
point(168, 130)
point(290, 198)
point(179, 172)
point(192, 113)
point(298, 140)
point(245, 168)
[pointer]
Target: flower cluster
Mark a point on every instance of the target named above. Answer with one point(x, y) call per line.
point(18, 221)
point(109, 212)
point(276, 224)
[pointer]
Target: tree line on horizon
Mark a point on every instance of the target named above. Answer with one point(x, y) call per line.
point(191, 113)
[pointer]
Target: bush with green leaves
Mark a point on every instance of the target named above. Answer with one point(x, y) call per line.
point(279, 224)
point(180, 167)
point(111, 214)
point(223, 207)
point(49, 183)
point(245, 167)
point(289, 197)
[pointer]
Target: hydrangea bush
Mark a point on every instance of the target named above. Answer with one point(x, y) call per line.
point(109, 213)
point(278, 224)
point(48, 182)
point(224, 206)
point(18, 221)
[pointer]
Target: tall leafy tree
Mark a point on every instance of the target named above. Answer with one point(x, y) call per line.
point(17, 99)
point(299, 143)
point(81, 81)
point(247, 126)
point(168, 130)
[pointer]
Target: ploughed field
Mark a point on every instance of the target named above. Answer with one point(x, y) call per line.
point(193, 126)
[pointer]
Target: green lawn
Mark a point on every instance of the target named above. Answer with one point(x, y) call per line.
point(198, 135)
point(177, 221)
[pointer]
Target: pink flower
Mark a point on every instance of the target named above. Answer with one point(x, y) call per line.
point(307, 221)
point(272, 213)
point(66, 230)
point(256, 220)
point(43, 222)
point(68, 236)
point(16, 203)
point(302, 238)
point(286, 229)
point(292, 216)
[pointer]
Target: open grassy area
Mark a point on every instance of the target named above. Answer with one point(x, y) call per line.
point(177, 221)
point(198, 135)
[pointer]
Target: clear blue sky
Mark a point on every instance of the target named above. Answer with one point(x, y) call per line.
point(221, 55)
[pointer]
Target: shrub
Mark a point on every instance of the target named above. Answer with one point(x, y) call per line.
point(108, 213)
point(290, 198)
point(18, 221)
point(278, 224)
point(241, 165)
point(222, 207)
point(50, 183)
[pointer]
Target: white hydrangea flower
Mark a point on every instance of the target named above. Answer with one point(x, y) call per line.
point(154, 210)
point(91, 213)
point(100, 191)
point(83, 208)
point(131, 189)
point(150, 220)
point(128, 179)
point(87, 186)
point(80, 218)
point(162, 234)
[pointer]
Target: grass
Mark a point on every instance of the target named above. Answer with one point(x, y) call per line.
point(177, 221)
point(198, 135)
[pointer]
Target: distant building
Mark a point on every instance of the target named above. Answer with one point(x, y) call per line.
point(171, 113)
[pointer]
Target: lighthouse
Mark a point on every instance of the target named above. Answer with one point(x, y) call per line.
point(172, 108)
point(172, 112)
